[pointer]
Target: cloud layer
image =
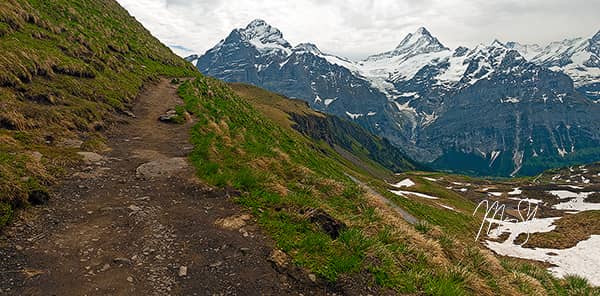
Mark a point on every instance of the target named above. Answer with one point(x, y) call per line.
point(357, 28)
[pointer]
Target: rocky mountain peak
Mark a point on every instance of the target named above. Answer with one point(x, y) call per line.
point(497, 43)
point(259, 32)
point(460, 51)
point(419, 42)
point(307, 47)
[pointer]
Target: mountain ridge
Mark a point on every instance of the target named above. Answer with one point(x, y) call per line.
point(406, 90)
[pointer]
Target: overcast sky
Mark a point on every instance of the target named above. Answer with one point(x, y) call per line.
point(358, 28)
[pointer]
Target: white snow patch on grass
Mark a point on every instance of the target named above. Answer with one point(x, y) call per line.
point(573, 186)
point(418, 194)
point(529, 200)
point(583, 259)
point(404, 183)
point(516, 191)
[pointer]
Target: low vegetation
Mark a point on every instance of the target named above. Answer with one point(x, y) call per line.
point(65, 67)
point(286, 177)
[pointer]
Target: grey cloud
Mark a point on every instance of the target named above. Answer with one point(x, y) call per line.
point(357, 28)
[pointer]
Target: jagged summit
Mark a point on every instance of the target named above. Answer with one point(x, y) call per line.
point(307, 47)
point(419, 42)
point(497, 43)
point(260, 32)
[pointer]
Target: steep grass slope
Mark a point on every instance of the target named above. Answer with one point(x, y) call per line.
point(363, 147)
point(65, 66)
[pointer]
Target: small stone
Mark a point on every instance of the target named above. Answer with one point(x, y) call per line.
point(90, 157)
point(169, 116)
point(19, 248)
point(129, 113)
point(279, 258)
point(105, 267)
point(182, 271)
point(216, 264)
point(71, 143)
point(312, 277)
point(134, 208)
point(36, 156)
point(130, 279)
point(121, 260)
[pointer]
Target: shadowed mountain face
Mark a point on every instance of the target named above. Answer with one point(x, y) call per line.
point(489, 110)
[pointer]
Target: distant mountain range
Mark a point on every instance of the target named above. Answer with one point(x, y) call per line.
point(500, 109)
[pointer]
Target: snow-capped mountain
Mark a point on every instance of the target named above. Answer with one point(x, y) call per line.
point(526, 50)
point(484, 110)
point(258, 54)
point(578, 57)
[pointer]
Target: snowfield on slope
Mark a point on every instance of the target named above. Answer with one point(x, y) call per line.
point(582, 259)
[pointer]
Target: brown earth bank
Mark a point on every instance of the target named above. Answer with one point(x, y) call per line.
point(135, 220)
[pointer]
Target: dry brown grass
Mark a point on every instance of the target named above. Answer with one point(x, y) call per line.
point(427, 245)
point(273, 106)
point(569, 230)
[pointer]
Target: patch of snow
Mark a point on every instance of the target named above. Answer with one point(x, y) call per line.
point(529, 200)
point(510, 100)
point(576, 201)
point(418, 194)
point(329, 101)
point(497, 194)
point(318, 99)
point(446, 207)
point(583, 259)
point(573, 186)
point(516, 191)
point(493, 157)
point(562, 152)
point(409, 95)
point(404, 183)
point(354, 115)
point(429, 118)
point(405, 107)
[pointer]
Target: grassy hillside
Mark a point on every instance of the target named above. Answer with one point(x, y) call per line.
point(291, 182)
point(363, 147)
point(65, 66)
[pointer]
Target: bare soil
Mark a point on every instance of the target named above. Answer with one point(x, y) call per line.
point(136, 221)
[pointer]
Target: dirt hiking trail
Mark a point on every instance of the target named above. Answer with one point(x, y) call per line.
point(136, 221)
